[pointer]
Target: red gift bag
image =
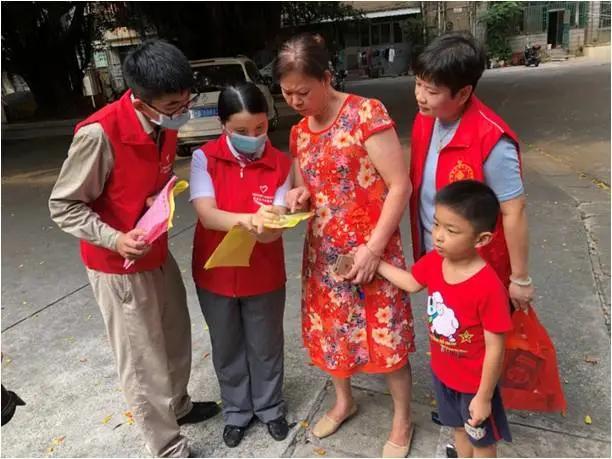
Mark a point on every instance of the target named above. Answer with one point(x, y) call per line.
point(530, 378)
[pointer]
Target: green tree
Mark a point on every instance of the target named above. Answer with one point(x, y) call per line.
point(211, 29)
point(49, 44)
point(501, 19)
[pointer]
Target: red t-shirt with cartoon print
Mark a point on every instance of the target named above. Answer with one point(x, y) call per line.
point(457, 316)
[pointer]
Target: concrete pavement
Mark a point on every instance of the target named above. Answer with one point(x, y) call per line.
point(58, 360)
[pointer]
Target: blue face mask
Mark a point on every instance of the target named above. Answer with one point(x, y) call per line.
point(173, 122)
point(248, 146)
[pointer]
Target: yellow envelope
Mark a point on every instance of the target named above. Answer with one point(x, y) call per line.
point(234, 250)
point(291, 220)
point(177, 189)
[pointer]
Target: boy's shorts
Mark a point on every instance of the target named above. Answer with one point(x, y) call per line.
point(454, 411)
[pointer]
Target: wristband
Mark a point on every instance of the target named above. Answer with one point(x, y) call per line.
point(522, 282)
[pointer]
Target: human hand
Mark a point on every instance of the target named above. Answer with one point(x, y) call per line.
point(521, 296)
point(269, 235)
point(131, 245)
point(150, 200)
point(480, 410)
point(296, 198)
point(265, 215)
point(364, 266)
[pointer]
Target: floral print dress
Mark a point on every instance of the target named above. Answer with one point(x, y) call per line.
point(348, 329)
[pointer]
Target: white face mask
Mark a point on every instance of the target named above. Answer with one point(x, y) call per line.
point(174, 122)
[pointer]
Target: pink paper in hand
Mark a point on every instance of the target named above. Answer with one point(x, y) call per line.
point(155, 220)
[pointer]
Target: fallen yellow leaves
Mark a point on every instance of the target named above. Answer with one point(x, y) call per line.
point(129, 418)
point(320, 451)
point(304, 424)
point(107, 419)
point(57, 441)
point(588, 420)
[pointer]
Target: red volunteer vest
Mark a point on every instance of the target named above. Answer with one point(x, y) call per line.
point(463, 158)
point(239, 189)
point(140, 170)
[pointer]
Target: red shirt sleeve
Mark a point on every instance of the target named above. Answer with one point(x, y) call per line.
point(494, 309)
point(373, 118)
point(420, 270)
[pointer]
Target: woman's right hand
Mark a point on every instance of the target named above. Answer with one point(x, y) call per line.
point(296, 198)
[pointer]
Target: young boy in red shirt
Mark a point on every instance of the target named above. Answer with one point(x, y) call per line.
point(468, 315)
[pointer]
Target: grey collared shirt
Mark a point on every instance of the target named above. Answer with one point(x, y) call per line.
point(82, 180)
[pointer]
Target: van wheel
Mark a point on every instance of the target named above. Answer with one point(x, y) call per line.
point(184, 151)
point(274, 122)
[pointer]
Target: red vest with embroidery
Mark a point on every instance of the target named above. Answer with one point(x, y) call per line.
point(243, 190)
point(463, 158)
point(140, 170)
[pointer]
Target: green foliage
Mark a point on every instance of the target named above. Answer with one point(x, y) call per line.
point(501, 19)
point(49, 44)
point(304, 13)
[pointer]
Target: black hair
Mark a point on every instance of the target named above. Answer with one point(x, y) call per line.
point(243, 97)
point(453, 60)
point(305, 53)
point(156, 68)
point(472, 200)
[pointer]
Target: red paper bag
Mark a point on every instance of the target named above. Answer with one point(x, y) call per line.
point(530, 379)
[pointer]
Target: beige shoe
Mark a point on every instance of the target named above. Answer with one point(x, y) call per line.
point(393, 450)
point(327, 426)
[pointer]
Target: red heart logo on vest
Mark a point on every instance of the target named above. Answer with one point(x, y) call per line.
point(263, 189)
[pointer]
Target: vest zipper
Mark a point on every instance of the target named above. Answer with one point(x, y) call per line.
point(241, 170)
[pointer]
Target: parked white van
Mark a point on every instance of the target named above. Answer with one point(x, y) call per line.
point(211, 76)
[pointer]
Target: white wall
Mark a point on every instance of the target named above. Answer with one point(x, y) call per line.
point(518, 42)
point(576, 39)
point(598, 52)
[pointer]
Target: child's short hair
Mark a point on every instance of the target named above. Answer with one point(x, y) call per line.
point(474, 201)
point(453, 60)
point(157, 68)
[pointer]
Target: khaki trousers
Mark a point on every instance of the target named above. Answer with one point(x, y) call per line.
point(149, 329)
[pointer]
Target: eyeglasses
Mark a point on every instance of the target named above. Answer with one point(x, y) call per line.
point(186, 106)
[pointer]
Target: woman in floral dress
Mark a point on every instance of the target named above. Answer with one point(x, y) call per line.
point(349, 166)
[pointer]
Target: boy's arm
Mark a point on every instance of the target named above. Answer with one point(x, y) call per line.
point(81, 181)
point(398, 277)
point(480, 406)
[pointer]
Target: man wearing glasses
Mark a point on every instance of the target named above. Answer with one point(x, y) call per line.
point(120, 158)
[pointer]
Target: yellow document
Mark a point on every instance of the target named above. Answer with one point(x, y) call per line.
point(237, 246)
point(234, 250)
point(291, 220)
point(178, 188)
